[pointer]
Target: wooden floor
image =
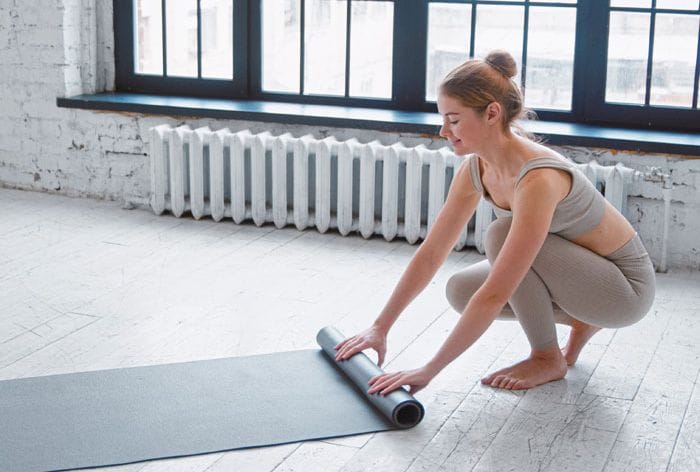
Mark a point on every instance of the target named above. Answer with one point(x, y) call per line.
point(87, 285)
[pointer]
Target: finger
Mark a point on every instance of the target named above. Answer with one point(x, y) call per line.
point(342, 343)
point(381, 355)
point(378, 385)
point(415, 389)
point(393, 386)
point(382, 383)
point(343, 354)
point(357, 346)
point(376, 378)
point(345, 344)
point(388, 381)
point(340, 348)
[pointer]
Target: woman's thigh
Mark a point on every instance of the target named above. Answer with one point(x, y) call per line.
point(589, 287)
point(463, 284)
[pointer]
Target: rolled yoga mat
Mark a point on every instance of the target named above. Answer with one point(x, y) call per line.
point(120, 416)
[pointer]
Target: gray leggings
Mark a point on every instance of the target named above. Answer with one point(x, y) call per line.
point(565, 281)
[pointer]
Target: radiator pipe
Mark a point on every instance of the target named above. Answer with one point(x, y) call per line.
point(655, 175)
point(667, 221)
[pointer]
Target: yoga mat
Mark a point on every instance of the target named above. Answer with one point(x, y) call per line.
point(120, 416)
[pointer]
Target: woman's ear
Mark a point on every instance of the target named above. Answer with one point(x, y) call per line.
point(493, 113)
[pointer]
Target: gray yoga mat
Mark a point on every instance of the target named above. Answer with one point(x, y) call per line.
point(119, 416)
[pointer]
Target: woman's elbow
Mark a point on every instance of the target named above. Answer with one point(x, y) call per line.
point(488, 301)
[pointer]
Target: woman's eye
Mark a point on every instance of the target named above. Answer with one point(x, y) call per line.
point(454, 122)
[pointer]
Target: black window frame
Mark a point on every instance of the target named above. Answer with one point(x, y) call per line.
point(598, 111)
point(126, 79)
point(409, 66)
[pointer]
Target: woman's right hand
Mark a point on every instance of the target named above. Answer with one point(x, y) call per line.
point(372, 337)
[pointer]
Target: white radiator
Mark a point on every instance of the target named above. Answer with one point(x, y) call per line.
point(371, 188)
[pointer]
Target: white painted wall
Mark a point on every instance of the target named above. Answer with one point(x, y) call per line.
point(59, 48)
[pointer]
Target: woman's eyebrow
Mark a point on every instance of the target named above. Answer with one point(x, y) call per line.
point(450, 113)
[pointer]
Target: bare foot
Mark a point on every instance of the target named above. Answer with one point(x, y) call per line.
point(541, 367)
point(578, 337)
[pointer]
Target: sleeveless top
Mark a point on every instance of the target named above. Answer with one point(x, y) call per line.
point(580, 211)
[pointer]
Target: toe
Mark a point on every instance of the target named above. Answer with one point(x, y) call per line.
point(488, 380)
point(500, 381)
point(520, 385)
point(511, 384)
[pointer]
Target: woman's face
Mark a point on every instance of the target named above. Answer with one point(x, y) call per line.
point(462, 126)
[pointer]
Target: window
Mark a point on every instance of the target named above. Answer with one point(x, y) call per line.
point(541, 38)
point(347, 47)
point(651, 64)
point(181, 47)
point(617, 62)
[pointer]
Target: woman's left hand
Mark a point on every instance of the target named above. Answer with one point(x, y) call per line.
point(416, 379)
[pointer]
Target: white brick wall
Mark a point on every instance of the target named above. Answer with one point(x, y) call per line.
point(65, 47)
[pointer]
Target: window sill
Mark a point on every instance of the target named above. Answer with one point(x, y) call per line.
point(556, 133)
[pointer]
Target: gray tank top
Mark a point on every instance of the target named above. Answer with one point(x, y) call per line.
point(580, 211)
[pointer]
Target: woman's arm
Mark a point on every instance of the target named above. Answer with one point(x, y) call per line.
point(535, 200)
point(429, 257)
point(443, 235)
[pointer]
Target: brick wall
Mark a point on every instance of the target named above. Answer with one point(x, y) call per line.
point(51, 49)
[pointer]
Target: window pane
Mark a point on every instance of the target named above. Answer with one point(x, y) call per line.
point(371, 49)
point(217, 39)
point(678, 4)
point(673, 66)
point(631, 3)
point(181, 35)
point(449, 29)
point(281, 45)
point(500, 27)
point(149, 37)
point(550, 57)
point(324, 47)
point(628, 47)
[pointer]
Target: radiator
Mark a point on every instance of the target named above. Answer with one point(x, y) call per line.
point(374, 189)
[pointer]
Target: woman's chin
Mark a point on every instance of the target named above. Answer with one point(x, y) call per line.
point(460, 149)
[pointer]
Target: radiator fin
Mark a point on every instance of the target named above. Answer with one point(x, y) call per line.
point(374, 189)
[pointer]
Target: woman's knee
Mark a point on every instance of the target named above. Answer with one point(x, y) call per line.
point(495, 237)
point(455, 292)
point(623, 314)
point(463, 285)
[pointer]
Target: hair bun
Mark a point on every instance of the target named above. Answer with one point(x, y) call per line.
point(503, 62)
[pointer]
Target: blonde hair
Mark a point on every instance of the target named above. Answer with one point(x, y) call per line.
point(477, 82)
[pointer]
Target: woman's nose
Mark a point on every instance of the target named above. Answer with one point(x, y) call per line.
point(443, 132)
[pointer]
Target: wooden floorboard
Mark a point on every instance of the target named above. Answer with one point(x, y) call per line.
point(88, 285)
point(651, 428)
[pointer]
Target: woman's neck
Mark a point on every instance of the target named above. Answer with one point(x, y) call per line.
point(505, 153)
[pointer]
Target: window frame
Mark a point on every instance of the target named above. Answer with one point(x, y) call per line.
point(126, 78)
point(409, 67)
point(598, 111)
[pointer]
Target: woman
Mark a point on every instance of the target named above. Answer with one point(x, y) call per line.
point(558, 251)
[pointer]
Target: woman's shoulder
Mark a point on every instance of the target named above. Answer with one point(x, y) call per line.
point(552, 174)
point(540, 151)
point(469, 175)
point(542, 157)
